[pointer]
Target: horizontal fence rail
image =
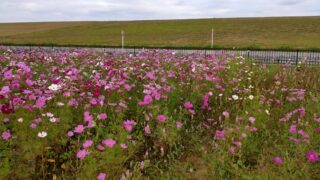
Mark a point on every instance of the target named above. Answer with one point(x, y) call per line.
point(260, 56)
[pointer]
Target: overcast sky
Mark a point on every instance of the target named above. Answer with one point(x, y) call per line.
point(100, 10)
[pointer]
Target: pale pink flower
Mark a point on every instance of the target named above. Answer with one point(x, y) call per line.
point(6, 135)
point(226, 114)
point(70, 133)
point(252, 120)
point(179, 124)
point(79, 129)
point(232, 150)
point(123, 146)
point(100, 147)
point(109, 142)
point(147, 130)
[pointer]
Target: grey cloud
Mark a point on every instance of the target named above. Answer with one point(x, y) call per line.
point(75, 10)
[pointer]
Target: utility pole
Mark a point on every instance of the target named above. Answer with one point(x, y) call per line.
point(212, 38)
point(122, 34)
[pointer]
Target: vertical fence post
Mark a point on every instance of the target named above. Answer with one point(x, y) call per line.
point(297, 57)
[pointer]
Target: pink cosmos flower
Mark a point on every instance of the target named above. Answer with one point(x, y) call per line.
point(81, 154)
point(162, 118)
point(123, 146)
point(293, 129)
point(87, 144)
point(277, 160)
point(5, 90)
point(33, 125)
point(101, 176)
point(232, 150)
point(88, 118)
point(226, 114)
point(100, 147)
point(109, 142)
point(41, 101)
point(179, 124)
point(29, 82)
point(188, 105)
point(70, 133)
point(147, 130)
point(221, 134)
point(102, 116)
point(252, 120)
point(147, 99)
point(191, 111)
point(6, 120)
point(312, 156)
point(6, 135)
point(79, 129)
point(237, 143)
point(317, 120)
point(128, 125)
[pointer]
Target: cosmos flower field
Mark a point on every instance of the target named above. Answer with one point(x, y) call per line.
point(81, 114)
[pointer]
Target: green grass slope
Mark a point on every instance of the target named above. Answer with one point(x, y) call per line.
point(276, 32)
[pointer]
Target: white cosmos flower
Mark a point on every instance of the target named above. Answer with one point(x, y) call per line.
point(267, 111)
point(235, 97)
point(60, 104)
point(53, 119)
point(42, 134)
point(49, 114)
point(220, 95)
point(20, 120)
point(54, 87)
point(251, 97)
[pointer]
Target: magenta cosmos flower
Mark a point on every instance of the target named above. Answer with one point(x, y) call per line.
point(162, 118)
point(277, 160)
point(312, 156)
point(6, 109)
point(128, 125)
point(102, 116)
point(41, 102)
point(188, 105)
point(147, 99)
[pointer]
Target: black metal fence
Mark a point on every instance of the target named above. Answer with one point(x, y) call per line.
point(270, 56)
